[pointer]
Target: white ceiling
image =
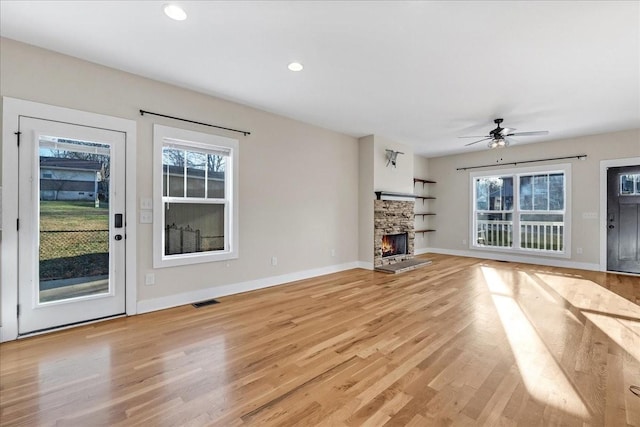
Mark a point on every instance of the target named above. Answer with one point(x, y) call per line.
point(419, 73)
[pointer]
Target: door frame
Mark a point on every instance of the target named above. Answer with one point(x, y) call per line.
point(12, 109)
point(604, 165)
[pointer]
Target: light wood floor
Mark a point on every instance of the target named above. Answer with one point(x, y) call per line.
point(460, 342)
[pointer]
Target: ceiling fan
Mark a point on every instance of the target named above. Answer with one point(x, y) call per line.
point(500, 137)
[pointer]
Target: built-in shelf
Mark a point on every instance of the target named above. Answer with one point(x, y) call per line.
point(423, 181)
point(424, 215)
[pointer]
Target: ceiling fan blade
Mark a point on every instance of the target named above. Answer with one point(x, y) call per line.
point(537, 132)
point(475, 136)
point(475, 142)
point(506, 131)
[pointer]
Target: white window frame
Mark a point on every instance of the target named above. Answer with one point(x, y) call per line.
point(163, 136)
point(516, 173)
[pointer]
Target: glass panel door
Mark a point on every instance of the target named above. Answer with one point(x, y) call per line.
point(71, 237)
point(74, 218)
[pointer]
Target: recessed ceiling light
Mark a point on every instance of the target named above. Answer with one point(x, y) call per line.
point(295, 66)
point(175, 12)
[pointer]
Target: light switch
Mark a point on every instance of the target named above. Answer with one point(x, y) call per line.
point(146, 203)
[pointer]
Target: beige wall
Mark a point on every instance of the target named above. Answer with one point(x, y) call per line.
point(298, 183)
point(397, 179)
point(365, 199)
point(452, 190)
point(375, 175)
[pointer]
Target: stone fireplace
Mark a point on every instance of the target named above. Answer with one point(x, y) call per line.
point(394, 234)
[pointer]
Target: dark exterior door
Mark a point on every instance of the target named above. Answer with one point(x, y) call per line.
point(623, 219)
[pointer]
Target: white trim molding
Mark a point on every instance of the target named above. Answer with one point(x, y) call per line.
point(169, 301)
point(365, 265)
point(517, 173)
point(604, 165)
point(550, 262)
point(12, 109)
point(202, 143)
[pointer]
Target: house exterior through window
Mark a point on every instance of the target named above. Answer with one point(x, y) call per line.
point(195, 208)
point(522, 210)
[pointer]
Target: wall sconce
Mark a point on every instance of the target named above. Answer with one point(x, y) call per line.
point(392, 156)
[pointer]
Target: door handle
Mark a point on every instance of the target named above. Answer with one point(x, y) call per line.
point(611, 226)
point(118, 237)
point(118, 221)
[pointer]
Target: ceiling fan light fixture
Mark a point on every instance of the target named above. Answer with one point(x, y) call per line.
point(498, 143)
point(175, 12)
point(295, 66)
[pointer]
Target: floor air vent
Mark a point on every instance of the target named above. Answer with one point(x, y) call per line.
point(205, 303)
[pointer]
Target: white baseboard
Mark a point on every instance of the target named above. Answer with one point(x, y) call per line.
point(514, 258)
point(146, 306)
point(365, 265)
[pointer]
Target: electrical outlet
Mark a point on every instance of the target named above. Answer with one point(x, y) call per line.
point(149, 279)
point(274, 261)
point(464, 241)
point(333, 252)
point(578, 250)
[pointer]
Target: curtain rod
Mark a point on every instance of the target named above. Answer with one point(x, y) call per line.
point(579, 157)
point(244, 132)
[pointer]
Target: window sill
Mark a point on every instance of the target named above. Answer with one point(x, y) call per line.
point(195, 258)
point(523, 252)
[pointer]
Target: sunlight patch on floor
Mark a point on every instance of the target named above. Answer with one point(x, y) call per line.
point(587, 295)
point(614, 315)
point(541, 374)
point(625, 337)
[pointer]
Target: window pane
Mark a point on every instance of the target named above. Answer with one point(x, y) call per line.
point(556, 192)
point(495, 199)
point(540, 193)
point(482, 200)
point(216, 184)
point(196, 166)
point(629, 183)
point(494, 229)
point(526, 193)
point(507, 193)
point(542, 231)
point(193, 227)
point(494, 193)
point(172, 172)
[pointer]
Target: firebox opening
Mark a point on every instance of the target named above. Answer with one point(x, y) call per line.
point(394, 244)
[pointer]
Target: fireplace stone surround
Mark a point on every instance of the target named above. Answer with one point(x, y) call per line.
point(392, 217)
